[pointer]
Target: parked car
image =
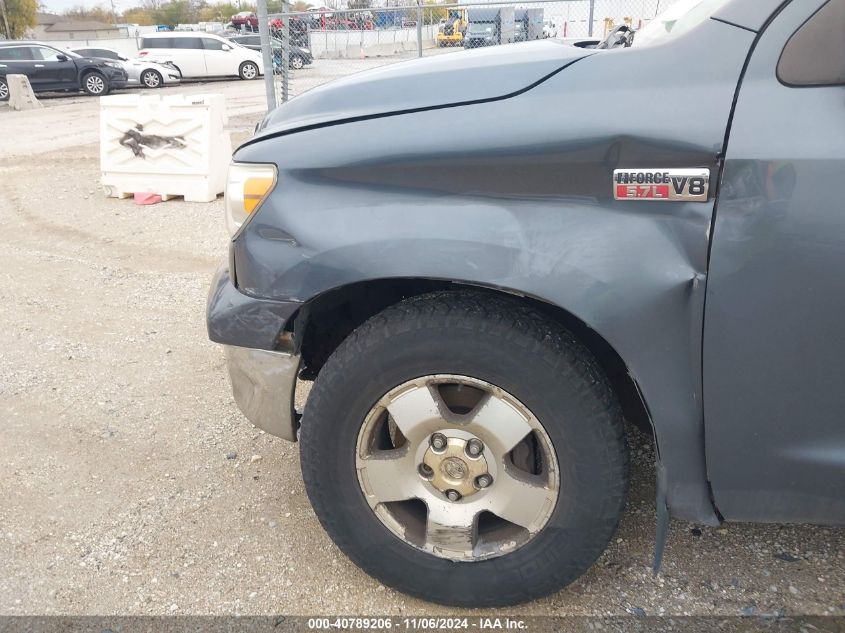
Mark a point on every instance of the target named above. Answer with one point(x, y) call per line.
point(298, 57)
point(245, 19)
point(140, 72)
point(50, 69)
point(663, 247)
point(202, 55)
point(297, 30)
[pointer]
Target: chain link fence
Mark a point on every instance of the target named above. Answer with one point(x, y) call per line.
point(312, 47)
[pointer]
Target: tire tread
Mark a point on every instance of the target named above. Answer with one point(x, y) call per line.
point(516, 323)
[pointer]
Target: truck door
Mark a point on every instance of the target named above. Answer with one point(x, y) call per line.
point(774, 328)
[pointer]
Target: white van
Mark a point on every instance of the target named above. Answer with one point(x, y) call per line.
point(202, 55)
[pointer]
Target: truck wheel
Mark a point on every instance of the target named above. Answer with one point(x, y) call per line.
point(296, 62)
point(4, 89)
point(462, 448)
point(248, 70)
point(95, 84)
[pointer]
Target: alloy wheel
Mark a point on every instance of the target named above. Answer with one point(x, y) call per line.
point(95, 84)
point(457, 467)
point(249, 71)
point(151, 79)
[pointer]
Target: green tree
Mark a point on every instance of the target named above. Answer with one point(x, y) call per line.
point(432, 14)
point(17, 17)
point(219, 12)
point(175, 12)
point(99, 14)
point(138, 15)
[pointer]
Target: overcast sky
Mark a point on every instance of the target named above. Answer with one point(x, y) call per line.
point(60, 6)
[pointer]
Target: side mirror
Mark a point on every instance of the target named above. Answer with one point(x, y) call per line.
point(62, 58)
point(123, 59)
point(226, 47)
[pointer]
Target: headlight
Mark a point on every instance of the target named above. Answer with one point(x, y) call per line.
point(247, 185)
point(112, 64)
point(307, 51)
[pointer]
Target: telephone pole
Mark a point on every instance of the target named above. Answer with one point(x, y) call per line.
point(5, 20)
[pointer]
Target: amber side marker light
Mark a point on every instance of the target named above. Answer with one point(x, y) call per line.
point(247, 185)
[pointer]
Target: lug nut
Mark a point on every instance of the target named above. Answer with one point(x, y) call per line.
point(438, 441)
point(475, 448)
point(453, 495)
point(425, 471)
point(483, 481)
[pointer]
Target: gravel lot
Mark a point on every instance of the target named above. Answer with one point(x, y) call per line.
point(132, 485)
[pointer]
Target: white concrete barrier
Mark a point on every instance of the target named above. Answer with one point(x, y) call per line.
point(174, 145)
point(374, 43)
point(21, 96)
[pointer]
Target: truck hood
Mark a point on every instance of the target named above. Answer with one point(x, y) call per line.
point(444, 80)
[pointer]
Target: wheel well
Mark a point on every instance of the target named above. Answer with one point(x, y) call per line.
point(323, 323)
point(89, 71)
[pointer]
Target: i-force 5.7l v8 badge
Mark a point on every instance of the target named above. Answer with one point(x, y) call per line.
point(690, 185)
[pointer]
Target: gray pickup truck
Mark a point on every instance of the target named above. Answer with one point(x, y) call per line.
point(650, 231)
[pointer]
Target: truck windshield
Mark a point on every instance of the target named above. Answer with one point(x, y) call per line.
point(480, 28)
point(676, 20)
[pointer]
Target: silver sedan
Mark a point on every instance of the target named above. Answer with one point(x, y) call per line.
point(141, 72)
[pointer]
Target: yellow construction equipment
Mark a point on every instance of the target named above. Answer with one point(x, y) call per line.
point(451, 32)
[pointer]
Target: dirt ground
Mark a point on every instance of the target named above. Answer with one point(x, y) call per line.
point(131, 484)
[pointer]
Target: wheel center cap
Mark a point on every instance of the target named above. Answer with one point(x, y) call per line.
point(453, 468)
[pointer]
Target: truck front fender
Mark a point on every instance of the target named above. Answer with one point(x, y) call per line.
point(517, 194)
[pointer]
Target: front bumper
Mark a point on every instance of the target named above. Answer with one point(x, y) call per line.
point(263, 384)
point(263, 378)
point(117, 78)
point(234, 318)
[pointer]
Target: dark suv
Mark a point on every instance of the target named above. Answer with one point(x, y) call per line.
point(50, 69)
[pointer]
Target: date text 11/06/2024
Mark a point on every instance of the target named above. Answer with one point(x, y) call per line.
point(416, 624)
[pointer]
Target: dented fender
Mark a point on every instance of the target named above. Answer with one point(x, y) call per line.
point(517, 194)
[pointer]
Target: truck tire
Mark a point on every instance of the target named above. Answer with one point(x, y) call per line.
point(465, 449)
